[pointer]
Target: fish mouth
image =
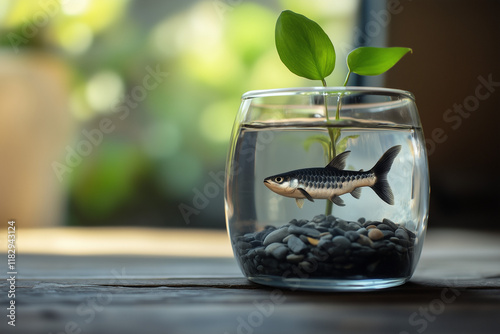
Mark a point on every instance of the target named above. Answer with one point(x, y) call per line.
point(267, 181)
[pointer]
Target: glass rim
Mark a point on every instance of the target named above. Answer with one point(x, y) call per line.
point(319, 89)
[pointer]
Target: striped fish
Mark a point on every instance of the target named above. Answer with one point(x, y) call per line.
point(333, 181)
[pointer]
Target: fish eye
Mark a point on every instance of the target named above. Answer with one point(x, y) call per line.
point(279, 179)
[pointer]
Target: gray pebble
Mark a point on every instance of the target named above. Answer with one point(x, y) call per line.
point(339, 245)
point(364, 240)
point(402, 234)
point(363, 231)
point(272, 247)
point(256, 243)
point(325, 243)
point(354, 226)
point(276, 236)
point(306, 265)
point(294, 258)
point(390, 223)
point(261, 251)
point(310, 225)
point(296, 245)
point(342, 224)
point(387, 233)
point(280, 252)
point(310, 232)
point(410, 233)
point(384, 227)
point(355, 245)
point(326, 237)
point(351, 235)
point(303, 238)
point(263, 234)
point(337, 231)
point(319, 218)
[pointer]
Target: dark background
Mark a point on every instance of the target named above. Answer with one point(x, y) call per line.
point(455, 43)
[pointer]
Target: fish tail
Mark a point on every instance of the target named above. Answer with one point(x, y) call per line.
point(381, 169)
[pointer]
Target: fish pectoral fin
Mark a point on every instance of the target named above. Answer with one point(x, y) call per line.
point(339, 161)
point(300, 202)
point(356, 193)
point(306, 194)
point(337, 200)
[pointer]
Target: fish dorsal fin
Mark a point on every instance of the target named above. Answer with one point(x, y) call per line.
point(306, 194)
point(339, 161)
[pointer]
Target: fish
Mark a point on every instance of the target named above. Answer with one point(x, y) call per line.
point(333, 181)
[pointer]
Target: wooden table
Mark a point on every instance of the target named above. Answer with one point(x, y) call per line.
point(185, 281)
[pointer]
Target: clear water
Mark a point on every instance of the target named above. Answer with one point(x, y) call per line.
point(251, 207)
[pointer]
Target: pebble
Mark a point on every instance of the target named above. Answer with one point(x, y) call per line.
point(341, 242)
point(390, 223)
point(363, 231)
point(337, 231)
point(280, 252)
point(296, 245)
point(384, 227)
point(327, 247)
point(402, 234)
point(364, 240)
point(269, 249)
point(313, 241)
point(319, 218)
point(294, 258)
point(375, 234)
point(276, 236)
point(352, 236)
point(387, 233)
point(310, 232)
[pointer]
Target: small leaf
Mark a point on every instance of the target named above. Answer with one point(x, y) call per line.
point(342, 144)
point(374, 61)
point(303, 46)
point(323, 140)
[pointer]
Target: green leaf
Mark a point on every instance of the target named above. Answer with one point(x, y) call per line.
point(323, 140)
point(342, 144)
point(374, 61)
point(303, 46)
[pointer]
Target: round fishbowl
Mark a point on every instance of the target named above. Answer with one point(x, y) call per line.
point(327, 188)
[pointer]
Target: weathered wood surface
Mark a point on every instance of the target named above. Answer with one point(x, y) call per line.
point(456, 289)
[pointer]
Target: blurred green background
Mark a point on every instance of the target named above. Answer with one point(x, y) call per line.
point(165, 76)
point(119, 112)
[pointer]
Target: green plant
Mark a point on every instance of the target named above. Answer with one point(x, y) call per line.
point(307, 51)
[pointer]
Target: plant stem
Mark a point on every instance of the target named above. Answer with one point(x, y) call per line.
point(347, 78)
point(331, 152)
point(333, 133)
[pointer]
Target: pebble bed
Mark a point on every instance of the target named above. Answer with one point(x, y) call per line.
point(328, 247)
